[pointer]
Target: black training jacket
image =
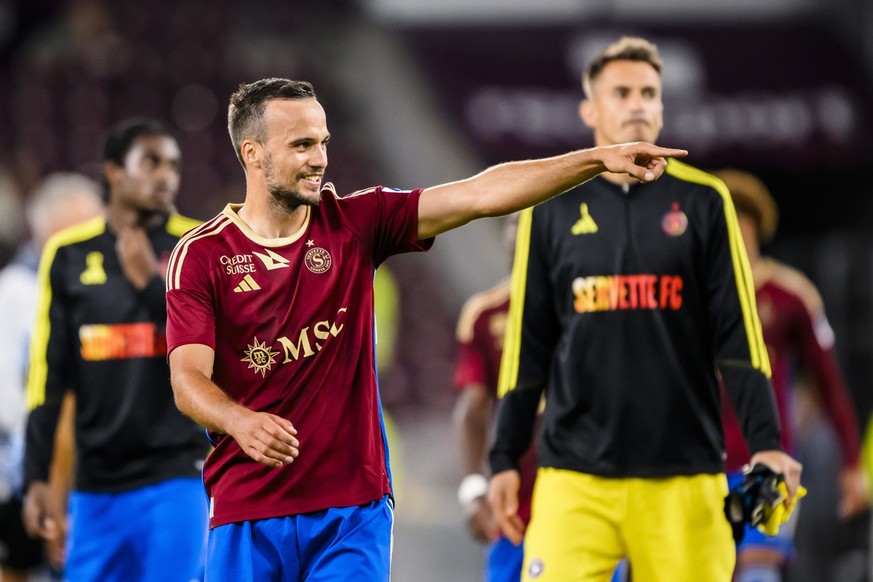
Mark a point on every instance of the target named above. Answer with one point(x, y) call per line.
point(626, 304)
point(97, 335)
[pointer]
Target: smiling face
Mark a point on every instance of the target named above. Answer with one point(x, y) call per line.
point(625, 103)
point(149, 179)
point(293, 156)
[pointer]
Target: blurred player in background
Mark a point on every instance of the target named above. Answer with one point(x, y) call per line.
point(58, 202)
point(480, 330)
point(137, 510)
point(291, 353)
point(627, 298)
point(799, 340)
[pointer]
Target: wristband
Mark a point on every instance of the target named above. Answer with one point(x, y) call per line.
point(472, 487)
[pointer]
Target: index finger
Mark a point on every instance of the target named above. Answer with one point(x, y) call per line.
point(658, 151)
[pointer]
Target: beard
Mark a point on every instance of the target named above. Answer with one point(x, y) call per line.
point(289, 199)
point(286, 197)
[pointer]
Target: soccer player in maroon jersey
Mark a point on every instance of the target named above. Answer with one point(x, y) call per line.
point(271, 341)
point(479, 337)
point(799, 339)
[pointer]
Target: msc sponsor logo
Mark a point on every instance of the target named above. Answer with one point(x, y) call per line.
point(260, 357)
point(121, 341)
point(624, 292)
point(301, 344)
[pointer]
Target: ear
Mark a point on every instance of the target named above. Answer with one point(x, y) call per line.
point(112, 172)
point(251, 153)
point(587, 113)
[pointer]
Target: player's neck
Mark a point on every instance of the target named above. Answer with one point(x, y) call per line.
point(120, 217)
point(269, 222)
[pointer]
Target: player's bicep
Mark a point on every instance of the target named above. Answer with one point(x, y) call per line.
point(190, 359)
point(195, 393)
point(442, 208)
point(190, 367)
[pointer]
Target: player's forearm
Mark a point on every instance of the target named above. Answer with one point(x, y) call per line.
point(42, 424)
point(473, 431)
point(509, 187)
point(516, 416)
point(753, 400)
point(503, 189)
point(838, 405)
point(200, 399)
point(472, 420)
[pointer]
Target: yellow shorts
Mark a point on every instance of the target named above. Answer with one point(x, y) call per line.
point(671, 529)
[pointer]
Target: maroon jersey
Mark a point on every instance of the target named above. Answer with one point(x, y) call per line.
point(291, 322)
point(480, 344)
point(798, 336)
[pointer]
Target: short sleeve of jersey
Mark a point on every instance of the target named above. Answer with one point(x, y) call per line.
point(395, 216)
point(190, 309)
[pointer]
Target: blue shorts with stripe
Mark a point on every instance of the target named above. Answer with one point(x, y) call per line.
point(142, 534)
point(331, 545)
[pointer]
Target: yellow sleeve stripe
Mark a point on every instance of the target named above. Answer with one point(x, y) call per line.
point(742, 272)
point(37, 375)
point(509, 360)
point(180, 252)
point(178, 225)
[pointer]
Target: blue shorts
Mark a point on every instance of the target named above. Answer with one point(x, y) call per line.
point(142, 534)
point(504, 561)
point(782, 543)
point(337, 544)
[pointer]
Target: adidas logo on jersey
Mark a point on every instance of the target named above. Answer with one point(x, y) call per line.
point(247, 284)
point(93, 273)
point(585, 224)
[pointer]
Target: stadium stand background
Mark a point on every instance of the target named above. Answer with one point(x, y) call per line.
point(421, 92)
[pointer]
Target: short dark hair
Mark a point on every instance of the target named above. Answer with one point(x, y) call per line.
point(627, 48)
point(120, 139)
point(245, 114)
